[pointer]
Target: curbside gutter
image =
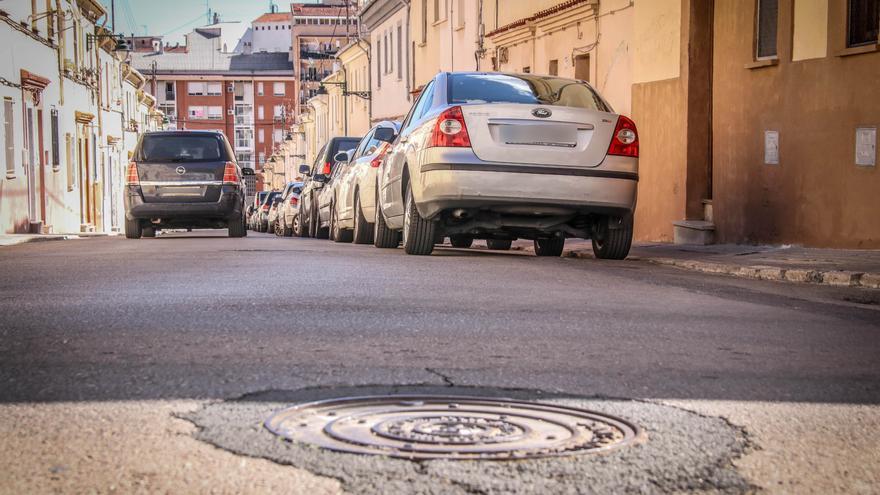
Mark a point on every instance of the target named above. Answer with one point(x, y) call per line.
point(16, 239)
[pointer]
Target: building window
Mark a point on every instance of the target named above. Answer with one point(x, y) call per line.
point(424, 21)
point(9, 136)
point(215, 113)
point(379, 64)
point(261, 113)
point(385, 54)
point(56, 151)
point(169, 91)
point(259, 89)
point(70, 152)
point(527, 70)
point(276, 136)
point(278, 89)
point(863, 22)
point(261, 136)
point(399, 52)
point(765, 32)
point(197, 113)
point(215, 89)
point(279, 111)
point(195, 88)
point(440, 8)
point(459, 17)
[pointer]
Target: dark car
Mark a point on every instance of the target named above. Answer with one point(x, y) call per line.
point(314, 178)
point(184, 179)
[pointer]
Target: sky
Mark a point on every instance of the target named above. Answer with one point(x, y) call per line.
point(174, 18)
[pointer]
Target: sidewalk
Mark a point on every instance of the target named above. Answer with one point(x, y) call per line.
point(839, 267)
point(14, 239)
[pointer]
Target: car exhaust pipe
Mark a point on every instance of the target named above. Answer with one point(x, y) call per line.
point(156, 220)
point(460, 214)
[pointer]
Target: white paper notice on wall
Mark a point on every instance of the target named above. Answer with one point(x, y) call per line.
point(771, 147)
point(866, 146)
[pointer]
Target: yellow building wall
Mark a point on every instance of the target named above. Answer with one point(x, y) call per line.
point(656, 38)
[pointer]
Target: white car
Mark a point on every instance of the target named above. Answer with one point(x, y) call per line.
point(352, 192)
point(288, 214)
point(504, 156)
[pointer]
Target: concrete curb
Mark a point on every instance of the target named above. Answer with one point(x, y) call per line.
point(837, 278)
point(16, 239)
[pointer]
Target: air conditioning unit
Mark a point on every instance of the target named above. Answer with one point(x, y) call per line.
point(230, 112)
point(503, 54)
point(230, 88)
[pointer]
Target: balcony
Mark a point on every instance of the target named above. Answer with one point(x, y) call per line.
point(317, 54)
point(244, 144)
point(244, 120)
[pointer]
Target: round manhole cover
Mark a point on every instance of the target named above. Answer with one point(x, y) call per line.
point(433, 427)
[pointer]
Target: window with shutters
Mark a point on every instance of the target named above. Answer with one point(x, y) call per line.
point(56, 152)
point(399, 52)
point(9, 137)
point(69, 153)
point(863, 22)
point(379, 64)
point(215, 89)
point(196, 88)
point(766, 24)
point(278, 89)
point(553, 70)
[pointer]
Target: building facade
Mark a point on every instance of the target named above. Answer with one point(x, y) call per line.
point(72, 114)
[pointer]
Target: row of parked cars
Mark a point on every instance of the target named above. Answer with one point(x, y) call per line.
point(490, 156)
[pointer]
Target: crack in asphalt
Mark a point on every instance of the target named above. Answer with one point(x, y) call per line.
point(446, 378)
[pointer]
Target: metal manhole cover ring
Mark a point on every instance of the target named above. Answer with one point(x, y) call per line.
point(450, 427)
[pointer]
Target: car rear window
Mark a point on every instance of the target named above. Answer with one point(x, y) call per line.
point(272, 195)
point(179, 148)
point(344, 145)
point(523, 88)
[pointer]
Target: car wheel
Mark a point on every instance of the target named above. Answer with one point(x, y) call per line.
point(320, 232)
point(286, 231)
point(363, 234)
point(337, 233)
point(148, 232)
point(133, 229)
point(549, 247)
point(613, 244)
point(499, 244)
point(237, 228)
point(461, 241)
point(383, 237)
point(418, 233)
point(298, 228)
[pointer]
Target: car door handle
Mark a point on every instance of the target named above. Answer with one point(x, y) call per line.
point(404, 139)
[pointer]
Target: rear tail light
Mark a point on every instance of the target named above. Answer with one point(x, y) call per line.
point(230, 175)
point(294, 200)
point(380, 155)
point(625, 141)
point(131, 175)
point(326, 170)
point(450, 131)
point(265, 207)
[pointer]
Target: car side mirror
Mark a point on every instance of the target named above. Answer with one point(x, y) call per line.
point(342, 156)
point(385, 134)
point(320, 178)
point(247, 171)
point(305, 170)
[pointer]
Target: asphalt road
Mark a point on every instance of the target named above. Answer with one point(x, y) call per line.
point(124, 363)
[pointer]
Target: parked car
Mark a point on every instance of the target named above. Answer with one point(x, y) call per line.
point(255, 208)
point(350, 202)
point(326, 197)
point(263, 213)
point(272, 216)
point(289, 214)
point(504, 156)
point(184, 180)
point(315, 176)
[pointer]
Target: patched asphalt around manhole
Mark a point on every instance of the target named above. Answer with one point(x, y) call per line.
point(679, 451)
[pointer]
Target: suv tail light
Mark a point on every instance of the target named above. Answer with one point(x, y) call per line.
point(266, 207)
point(380, 155)
point(131, 175)
point(230, 175)
point(450, 130)
point(293, 200)
point(326, 170)
point(625, 141)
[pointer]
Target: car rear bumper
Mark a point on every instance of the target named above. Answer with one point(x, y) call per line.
point(229, 206)
point(467, 182)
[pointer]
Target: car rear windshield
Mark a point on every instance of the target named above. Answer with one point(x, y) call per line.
point(272, 195)
point(344, 145)
point(181, 148)
point(523, 88)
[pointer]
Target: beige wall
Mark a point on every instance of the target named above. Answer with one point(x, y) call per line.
point(656, 39)
point(391, 98)
point(356, 65)
point(450, 42)
point(810, 37)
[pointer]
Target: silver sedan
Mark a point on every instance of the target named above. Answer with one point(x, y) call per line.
point(505, 156)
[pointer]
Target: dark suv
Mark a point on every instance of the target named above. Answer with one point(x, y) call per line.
point(320, 169)
point(184, 179)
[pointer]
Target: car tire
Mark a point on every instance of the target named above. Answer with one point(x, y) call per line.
point(148, 232)
point(499, 244)
point(320, 232)
point(418, 233)
point(298, 227)
point(383, 237)
point(363, 233)
point(549, 247)
point(613, 244)
point(133, 229)
point(237, 228)
point(461, 241)
point(336, 233)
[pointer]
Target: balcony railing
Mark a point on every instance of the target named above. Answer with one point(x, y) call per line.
point(244, 144)
point(244, 120)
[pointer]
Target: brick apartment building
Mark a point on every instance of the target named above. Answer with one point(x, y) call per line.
point(251, 97)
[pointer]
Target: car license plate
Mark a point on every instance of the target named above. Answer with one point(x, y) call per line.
point(168, 191)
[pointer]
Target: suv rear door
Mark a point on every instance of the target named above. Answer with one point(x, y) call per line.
point(181, 167)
